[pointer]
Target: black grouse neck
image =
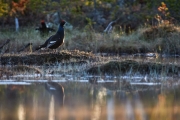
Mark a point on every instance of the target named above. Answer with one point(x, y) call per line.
point(61, 25)
point(43, 25)
point(60, 30)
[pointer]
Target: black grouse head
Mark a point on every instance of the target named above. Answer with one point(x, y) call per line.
point(43, 24)
point(62, 23)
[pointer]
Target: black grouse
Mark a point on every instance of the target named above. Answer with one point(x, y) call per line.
point(44, 30)
point(57, 90)
point(55, 40)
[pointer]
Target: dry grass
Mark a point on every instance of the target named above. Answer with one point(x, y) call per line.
point(161, 39)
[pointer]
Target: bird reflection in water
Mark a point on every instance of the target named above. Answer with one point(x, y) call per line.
point(57, 99)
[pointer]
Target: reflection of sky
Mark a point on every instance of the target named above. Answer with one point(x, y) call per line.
point(110, 107)
point(129, 111)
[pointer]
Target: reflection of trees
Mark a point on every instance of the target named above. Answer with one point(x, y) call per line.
point(18, 102)
point(10, 101)
point(128, 106)
point(36, 103)
point(85, 101)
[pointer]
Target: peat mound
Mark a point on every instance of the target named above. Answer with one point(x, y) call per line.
point(132, 67)
point(43, 58)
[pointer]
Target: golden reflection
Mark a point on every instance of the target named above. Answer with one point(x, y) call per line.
point(51, 109)
point(163, 109)
point(96, 112)
point(97, 105)
point(1, 113)
point(102, 93)
point(21, 112)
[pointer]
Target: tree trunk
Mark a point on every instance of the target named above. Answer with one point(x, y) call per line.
point(17, 24)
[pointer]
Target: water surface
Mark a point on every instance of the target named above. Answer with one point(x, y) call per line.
point(26, 97)
point(85, 101)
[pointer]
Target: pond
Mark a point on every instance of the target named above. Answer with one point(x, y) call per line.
point(67, 92)
point(84, 101)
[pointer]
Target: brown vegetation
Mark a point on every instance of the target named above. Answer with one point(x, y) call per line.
point(43, 58)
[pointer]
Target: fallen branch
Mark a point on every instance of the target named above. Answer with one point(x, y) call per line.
point(109, 28)
point(23, 48)
point(7, 42)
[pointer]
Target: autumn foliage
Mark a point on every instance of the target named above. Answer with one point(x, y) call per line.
point(18, 7)
point(3, 8)
point(84, 12)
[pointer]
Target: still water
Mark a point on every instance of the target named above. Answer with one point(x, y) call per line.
point(86, 101)
point(32, 97)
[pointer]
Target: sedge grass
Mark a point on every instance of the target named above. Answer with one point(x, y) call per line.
point(144, 40)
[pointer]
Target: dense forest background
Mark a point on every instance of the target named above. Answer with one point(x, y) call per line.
point(91, 14)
